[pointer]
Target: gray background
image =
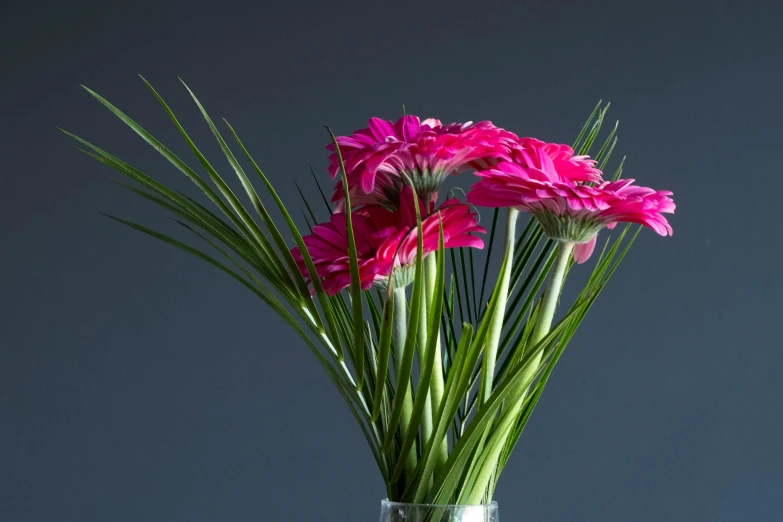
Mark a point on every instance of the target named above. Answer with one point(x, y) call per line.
point(137, 383)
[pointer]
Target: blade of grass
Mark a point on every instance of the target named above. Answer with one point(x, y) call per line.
point(247, 223)
point(307, 205)
point(495, 214)
point(320, 190)
point(455, 272)
point(596, 128)
point(587, 125)
point(198, 214)
point(282, 248)
point(384, 350)
point(356, 288)
point(308, 260)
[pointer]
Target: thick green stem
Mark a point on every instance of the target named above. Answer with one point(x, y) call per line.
point(540, 330)
point(496, 321)
point(426, 414)
point(436, 383)
point(552, 293)
point(546, 313)
point(399, 333)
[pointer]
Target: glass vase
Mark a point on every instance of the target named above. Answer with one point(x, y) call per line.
point(401, 512)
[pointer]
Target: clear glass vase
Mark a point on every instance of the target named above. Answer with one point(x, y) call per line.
point(401, 512)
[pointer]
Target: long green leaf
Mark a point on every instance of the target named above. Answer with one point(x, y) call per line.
point(236, 213)
point(586, 126)
point(195, 213)
point(334, 336)
point(356, 285)
point(488, 256)
point(282, 248)
point(384, 349)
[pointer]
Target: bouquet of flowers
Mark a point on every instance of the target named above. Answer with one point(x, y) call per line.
point(440, 358)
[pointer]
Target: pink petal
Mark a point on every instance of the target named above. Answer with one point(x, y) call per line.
point(583, 251)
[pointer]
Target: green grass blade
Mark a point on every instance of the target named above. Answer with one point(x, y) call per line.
point(306, 204)
point(586, 126)
point(619, 172)
point(610, 139)
point(465, 285)
point(375, 314)
point(265, 295)
point(197, 214)
point(170, 156)
point(455, 273)
point(320, 190)
point(313, 274)
point(384, 350)
point(605, 159)
point(356, 287)
point(282, 248)
point(476, 304)
point(495, 214)
point(185, 169)
point(596, 128)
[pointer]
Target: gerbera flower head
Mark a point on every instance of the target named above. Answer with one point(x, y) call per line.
point(377, 159)
point(555, 160)
point(567, 209)
point(386, 242)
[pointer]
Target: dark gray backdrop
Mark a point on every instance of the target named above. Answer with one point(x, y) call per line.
point(137, 383)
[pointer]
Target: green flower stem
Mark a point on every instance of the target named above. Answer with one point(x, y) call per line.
point(546, 313)
point(552, 293)
point(540, 330)
point(496, 321)
point(426, 415)
point(399, 333)
point(436, 383)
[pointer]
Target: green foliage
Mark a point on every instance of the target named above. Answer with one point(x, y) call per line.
point(351, 334)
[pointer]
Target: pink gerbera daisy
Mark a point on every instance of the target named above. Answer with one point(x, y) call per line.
point(386, 241)
point(569, 211)
point(556, 160)
point(377, 158)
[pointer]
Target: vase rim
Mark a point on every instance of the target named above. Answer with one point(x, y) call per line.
point(388, 502)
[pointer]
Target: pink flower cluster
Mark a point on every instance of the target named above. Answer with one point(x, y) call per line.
point(563, 191)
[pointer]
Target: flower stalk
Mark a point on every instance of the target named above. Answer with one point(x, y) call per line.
point(423, 387)
point(496, 321)
point(552, 292)
point(399, 333)
point(437, 380)
point(546, 312)
point(541, 328)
